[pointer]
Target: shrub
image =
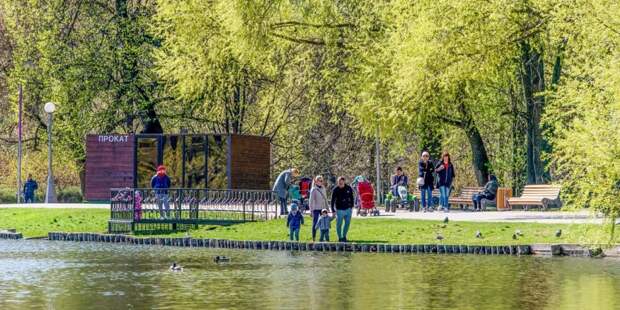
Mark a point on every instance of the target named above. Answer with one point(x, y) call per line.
point(7, 195)
point(70, 194)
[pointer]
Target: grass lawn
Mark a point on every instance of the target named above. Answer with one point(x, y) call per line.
point(38, 222)
point(419, 232)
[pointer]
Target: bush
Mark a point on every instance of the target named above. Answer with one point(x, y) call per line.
point(70, 194)
point(7, 195)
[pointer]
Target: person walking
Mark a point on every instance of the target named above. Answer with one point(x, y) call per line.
point(281, 185)
point(445, 173)
point(161, 183)
point(489, 192)
point(398, 179)
point(324, 225)
point(317, 202)
point(30, 187)
point(294, 221)
point(425, 181)
point(342, 205)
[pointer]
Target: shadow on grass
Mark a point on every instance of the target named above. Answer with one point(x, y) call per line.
point(368, 241)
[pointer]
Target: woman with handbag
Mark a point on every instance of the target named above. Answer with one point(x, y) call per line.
point(445, 174)
point(425, 181)
point(317, 202)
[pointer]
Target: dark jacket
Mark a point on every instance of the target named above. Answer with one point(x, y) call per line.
point(426, 171)
point(342, 198)
point(160, 182)
point(399, 180)
point(490, 189)
point(294, 220)
point(30, 186)
point(445, 176)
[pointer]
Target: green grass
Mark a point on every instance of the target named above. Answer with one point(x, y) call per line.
point(38, 222)
point(418, 232)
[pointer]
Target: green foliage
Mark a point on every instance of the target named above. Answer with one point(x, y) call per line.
point(7, 195)
point(70, 195)
point(585, 115)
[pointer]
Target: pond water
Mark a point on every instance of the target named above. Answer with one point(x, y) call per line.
point(66, 275)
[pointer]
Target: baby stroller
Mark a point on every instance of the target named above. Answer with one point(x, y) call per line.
point(366, 199)
point(304, 192)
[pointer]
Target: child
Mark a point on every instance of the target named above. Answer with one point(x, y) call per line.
point(324, 224)
point(294, 221)
point(137, 206)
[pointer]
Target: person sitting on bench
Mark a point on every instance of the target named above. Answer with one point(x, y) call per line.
point(489, 192)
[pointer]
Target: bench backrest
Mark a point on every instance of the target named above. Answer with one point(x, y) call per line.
point(467, 192)
point(417, 193)
point(543, 191)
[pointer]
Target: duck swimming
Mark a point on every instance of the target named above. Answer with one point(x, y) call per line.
point(175, 267)
point(221, 259)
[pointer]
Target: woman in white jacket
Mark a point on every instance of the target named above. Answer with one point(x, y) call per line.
point(317, 202)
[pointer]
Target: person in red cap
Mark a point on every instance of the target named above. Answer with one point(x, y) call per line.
point(161, 183)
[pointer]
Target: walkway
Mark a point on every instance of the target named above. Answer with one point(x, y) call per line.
point(552, 217)
point(564, 217)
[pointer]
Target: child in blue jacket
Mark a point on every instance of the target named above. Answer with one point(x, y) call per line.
point(294, 221)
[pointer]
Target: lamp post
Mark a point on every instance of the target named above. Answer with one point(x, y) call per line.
point(50, 194)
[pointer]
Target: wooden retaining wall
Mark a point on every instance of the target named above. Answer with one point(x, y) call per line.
point(294, 246)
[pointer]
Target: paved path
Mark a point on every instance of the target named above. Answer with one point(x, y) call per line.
point(564, 217)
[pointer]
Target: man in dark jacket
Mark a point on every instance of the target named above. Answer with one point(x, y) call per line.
point(489, 192)
point(426, 171)
point(161, 183)
point(399, 179)
point(342, 204)
point(29, 189)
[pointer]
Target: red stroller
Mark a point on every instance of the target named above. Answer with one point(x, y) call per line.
point(366, 196)
point(305, 185)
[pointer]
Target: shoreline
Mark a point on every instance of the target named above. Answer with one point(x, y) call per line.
point(574, 250)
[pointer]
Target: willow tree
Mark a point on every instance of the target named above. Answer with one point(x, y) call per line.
point(584, 116)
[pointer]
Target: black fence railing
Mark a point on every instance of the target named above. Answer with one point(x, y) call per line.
point(132, 207)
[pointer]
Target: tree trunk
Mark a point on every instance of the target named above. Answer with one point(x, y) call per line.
point(151, 122)
point(480, 159)
point(532, 78)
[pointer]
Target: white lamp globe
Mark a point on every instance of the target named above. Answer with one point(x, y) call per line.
point(50, 107)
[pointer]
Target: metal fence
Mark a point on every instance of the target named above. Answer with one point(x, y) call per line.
point(132, 206)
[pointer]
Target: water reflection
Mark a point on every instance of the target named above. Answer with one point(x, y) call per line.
point(64, 275)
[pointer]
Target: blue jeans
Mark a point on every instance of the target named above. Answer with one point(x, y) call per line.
point(29, 198)
point(283, 207)
point(324, 235)
point(294, 233)
point(444, 194)
point(163, 203)
point(315, 218)
point(346, 216)
point(427, 197)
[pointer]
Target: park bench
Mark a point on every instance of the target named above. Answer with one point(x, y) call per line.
point(464, 198)
point(541, 195)
point(418, 195)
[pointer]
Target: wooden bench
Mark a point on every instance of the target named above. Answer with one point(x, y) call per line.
point(465, 195)
point(417, 196)
point(541, 195)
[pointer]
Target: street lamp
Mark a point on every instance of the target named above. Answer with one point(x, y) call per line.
point(50, 194)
